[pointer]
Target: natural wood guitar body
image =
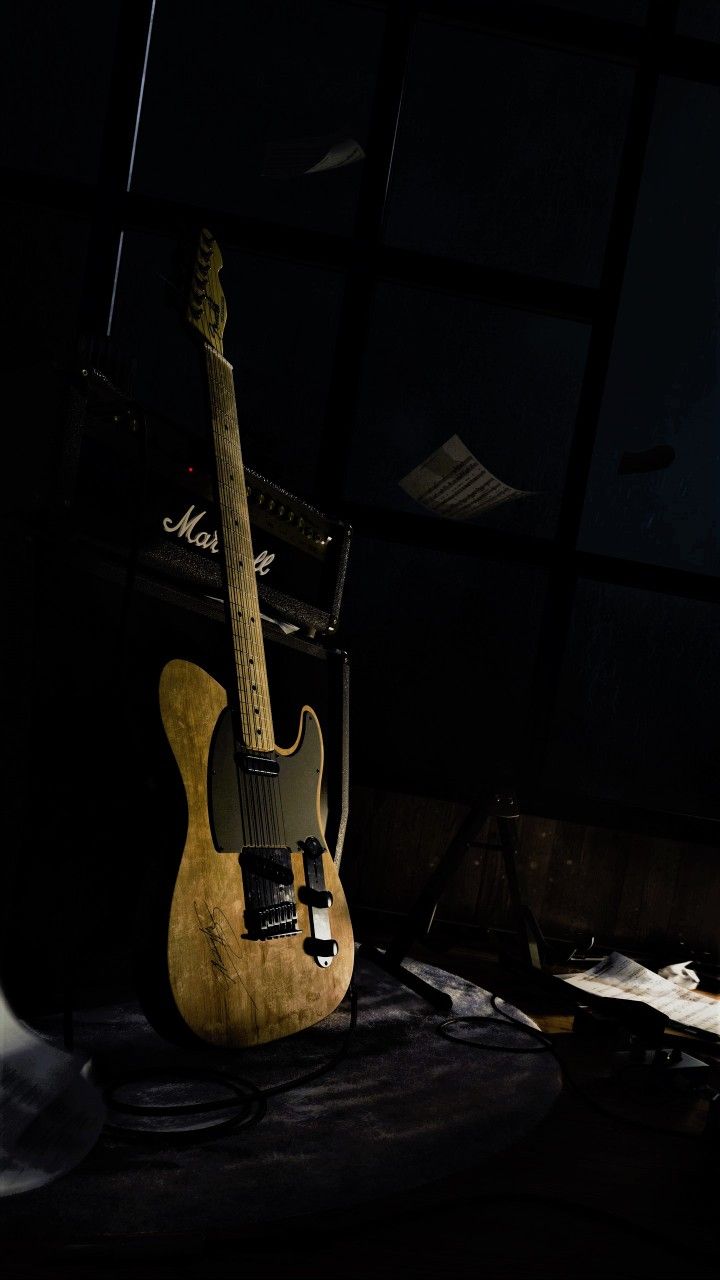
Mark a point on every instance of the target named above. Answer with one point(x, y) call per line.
point(231, 989)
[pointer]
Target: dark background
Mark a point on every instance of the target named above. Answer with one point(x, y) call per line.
point(527, 257)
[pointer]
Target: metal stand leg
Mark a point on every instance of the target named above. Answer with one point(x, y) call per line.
point(503, 807)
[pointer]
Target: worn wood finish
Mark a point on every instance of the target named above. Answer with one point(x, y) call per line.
point(229, 989)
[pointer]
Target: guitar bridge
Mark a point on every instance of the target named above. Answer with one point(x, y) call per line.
point(268, 883)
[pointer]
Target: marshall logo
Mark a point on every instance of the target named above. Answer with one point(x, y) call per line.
point(186, 527)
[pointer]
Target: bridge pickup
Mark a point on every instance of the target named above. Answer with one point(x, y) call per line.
point(264, 764)
point(269, 888)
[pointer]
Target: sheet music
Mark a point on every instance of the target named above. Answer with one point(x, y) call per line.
point(453, 482)
point(621, 978)
point(340, 153)
point(293, 157)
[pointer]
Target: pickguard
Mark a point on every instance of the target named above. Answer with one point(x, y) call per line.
point(298, 783)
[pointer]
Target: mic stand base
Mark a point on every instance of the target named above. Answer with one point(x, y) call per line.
point(439, 1000)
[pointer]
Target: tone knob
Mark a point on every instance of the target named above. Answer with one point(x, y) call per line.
point(323, 948)
point(315, 897)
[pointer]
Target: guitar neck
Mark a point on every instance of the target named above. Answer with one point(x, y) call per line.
point(253, 697)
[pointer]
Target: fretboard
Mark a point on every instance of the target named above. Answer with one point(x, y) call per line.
point(253, 698)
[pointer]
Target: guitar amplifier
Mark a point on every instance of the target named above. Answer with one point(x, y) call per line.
point(137, 488)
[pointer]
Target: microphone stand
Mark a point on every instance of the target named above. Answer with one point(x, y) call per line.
point(502, 806)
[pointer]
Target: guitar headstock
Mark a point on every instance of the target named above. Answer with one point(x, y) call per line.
point(206, 308)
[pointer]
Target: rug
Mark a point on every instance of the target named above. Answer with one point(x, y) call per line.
point(404, 1107)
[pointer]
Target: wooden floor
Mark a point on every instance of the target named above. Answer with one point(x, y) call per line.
point(584, 1195)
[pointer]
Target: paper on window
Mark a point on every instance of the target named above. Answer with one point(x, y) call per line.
point(623, 979)
point(455, 484)
point(294, 157)
point(340, 153)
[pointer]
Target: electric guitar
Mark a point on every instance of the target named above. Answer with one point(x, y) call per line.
point(260, 943)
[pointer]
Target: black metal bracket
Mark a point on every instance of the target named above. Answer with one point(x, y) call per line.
point(502, 806)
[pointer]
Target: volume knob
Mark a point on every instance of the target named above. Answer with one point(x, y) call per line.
point(312, 847)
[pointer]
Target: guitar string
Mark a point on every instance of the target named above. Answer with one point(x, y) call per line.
point(236, 557)
point(232, 547)
point(244, 646)
point(269, 810)
point(269, 786)
point(267, 818)
point(234, 553)
point(249, 592)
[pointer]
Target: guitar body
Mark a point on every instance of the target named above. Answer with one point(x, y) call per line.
point(232, 988)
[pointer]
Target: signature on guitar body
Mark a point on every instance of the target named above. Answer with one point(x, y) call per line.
point(213, 923)
point(260, 943)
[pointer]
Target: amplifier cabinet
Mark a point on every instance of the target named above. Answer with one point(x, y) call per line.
point(135, 487)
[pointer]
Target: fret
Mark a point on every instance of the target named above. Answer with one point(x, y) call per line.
point(251, 683)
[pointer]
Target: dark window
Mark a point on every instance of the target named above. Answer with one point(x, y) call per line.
point(441, 668)
point(505, 381)
point(43, 273)
point(235, 92)
point(634, 11)
point(55, 64)
point(507, 154)
point(699, 18)
point(662, 400)
point(639, 701)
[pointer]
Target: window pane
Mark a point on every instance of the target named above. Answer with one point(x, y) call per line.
point(700, 19)
point(662, 391)
point(55, 64)
point(235, 90)
point(43, 272)
point(441, 692)
point(43, 276)
point(639, 701)
point(634, 11)
point(280, 336)
point(505, 381)
point(507, 154)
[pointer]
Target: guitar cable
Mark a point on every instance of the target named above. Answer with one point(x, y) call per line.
point(249, 1104)
point(545, 1045)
